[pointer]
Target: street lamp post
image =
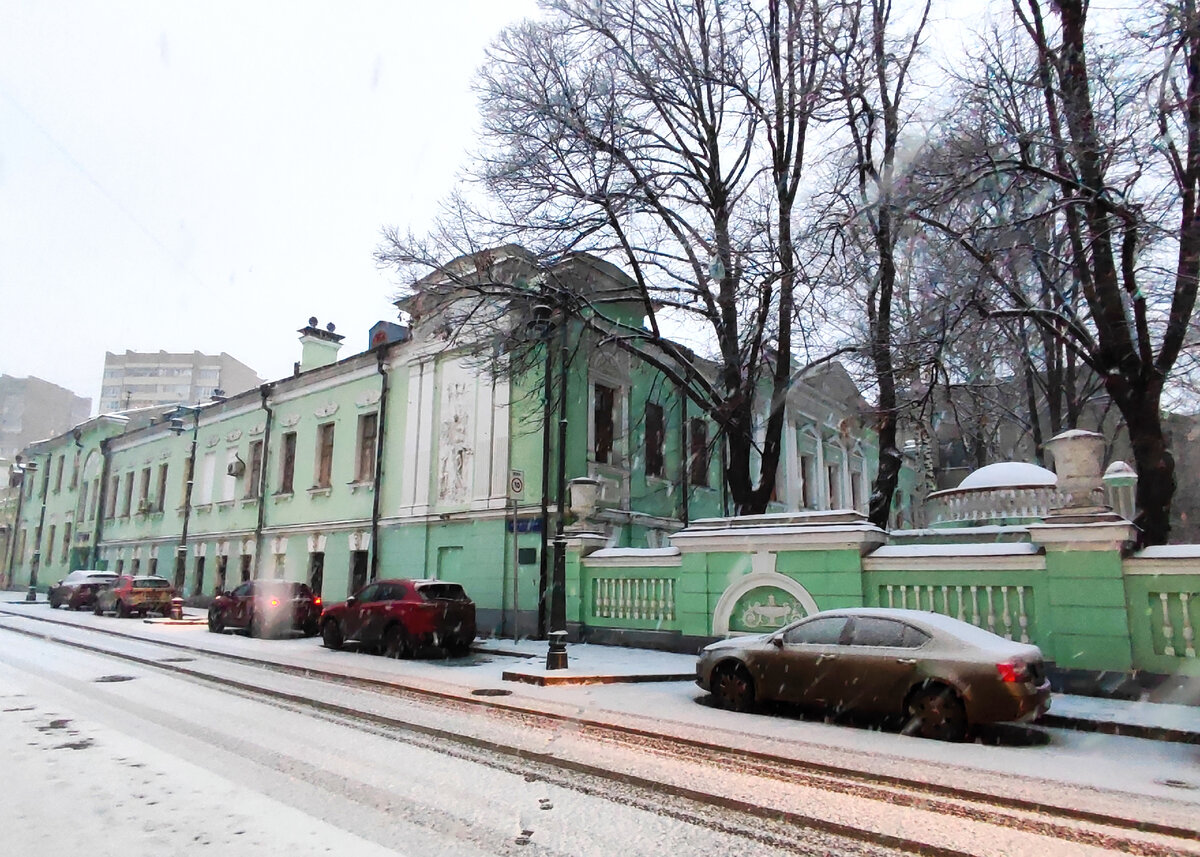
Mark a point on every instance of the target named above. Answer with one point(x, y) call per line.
point(177, 427)
point(17, 480)
point(36, 562)
point(556, 654)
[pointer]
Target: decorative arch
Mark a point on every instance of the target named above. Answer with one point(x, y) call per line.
point(730, 597)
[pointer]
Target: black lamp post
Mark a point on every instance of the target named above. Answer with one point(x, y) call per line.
point(36, 562)
point(556, 654)
point(177, 427)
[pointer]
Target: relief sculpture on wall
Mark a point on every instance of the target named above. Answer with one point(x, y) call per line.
point(455, 453)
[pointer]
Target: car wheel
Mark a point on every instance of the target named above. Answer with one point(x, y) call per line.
point(310, 629)
point(121, 610)
point(331, 635)
point(97, 609)
point(938, 713)
point(215, 624)
point(395, 642)
point(458, 649)
point(733, 688)
point(53, 602)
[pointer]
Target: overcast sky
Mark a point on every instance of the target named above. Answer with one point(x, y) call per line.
point(206, 176)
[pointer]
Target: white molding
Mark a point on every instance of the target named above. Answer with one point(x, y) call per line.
point(1137, 566)
point(649, 563)
point(960, 563)
point(336, 380)
point(326, 410)
point(733, 593)
point(862, 538)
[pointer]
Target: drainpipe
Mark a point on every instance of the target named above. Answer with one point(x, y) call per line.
point(101, 502)
point(265, 393)
point(378, 476)
point(684, 456)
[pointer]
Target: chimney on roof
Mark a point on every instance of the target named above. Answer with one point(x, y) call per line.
point(320, 347)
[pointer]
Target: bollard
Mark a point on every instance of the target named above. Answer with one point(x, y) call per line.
point(31, 595)
point(176, 607)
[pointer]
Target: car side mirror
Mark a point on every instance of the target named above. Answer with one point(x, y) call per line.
point(777, 641)
point(351, 601)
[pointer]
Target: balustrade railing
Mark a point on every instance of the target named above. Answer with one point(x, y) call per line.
point(640, 599)
point(1002, 609)
point(1177, 613)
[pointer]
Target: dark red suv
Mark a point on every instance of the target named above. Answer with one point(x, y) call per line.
point(398, 617)
point(265, 608)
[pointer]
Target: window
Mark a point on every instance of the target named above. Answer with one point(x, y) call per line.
point(875, 631)
point(602, 422)
point(46, 480)
point(160, 496)
point(75, 472)
point(50, 545)
point(208, 471)
point(198, 584)
point(144, 491)
point(82, 509)
point(287, 465)
point(247, 562)
point(324, 474)
point(136, 566)
point(826, 631)
point(66, 541)
point(368, 430)
point(316, 571)
point(222, 565)
point(254, 475)
point(58, 473)
point(835, 495)
point(698, 453)
point(655, 435)
point(806, 481)
point(95, 499)
point(856, 489)
point(114, 488)
point(127, 495)
point(153, 568)
point(358, 570)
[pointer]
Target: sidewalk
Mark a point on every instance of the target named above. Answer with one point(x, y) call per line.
point(593, 664)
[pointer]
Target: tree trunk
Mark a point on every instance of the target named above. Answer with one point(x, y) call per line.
point(1154, 464)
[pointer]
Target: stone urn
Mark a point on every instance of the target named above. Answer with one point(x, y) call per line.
point(1079, 464)
point(583, 493)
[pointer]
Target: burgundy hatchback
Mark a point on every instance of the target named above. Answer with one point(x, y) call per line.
point(398, 617)
point(265, 608)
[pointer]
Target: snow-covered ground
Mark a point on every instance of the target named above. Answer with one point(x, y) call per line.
point(1086, 760)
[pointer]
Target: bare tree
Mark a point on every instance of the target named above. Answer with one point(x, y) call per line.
point(1110, 161)
point(668, 137)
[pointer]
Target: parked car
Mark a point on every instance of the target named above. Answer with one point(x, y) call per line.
point(399, 617)
point(266, 607)
point(78, 589)
point(940, 675)
point(128, 595)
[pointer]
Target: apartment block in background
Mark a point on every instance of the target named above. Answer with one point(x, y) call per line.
point(32, 409)
point(148, 379)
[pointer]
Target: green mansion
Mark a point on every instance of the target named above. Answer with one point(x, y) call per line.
point(409, 459)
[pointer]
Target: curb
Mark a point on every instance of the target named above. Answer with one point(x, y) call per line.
point(1128, 730)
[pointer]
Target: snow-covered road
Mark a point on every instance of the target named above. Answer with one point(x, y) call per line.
point(236, 771)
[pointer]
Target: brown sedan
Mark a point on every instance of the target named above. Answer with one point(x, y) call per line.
point(78, 589)
point(941, 675)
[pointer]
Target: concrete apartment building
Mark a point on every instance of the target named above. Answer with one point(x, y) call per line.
point(32, 409)
point(148, 379)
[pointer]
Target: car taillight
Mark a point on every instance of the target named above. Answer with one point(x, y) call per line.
point(317, 601)
point(1013, 671)
point(274, 602)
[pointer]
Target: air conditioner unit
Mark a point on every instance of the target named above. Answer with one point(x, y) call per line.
point(236, 467)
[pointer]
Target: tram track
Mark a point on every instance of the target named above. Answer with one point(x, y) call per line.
point(771, 825)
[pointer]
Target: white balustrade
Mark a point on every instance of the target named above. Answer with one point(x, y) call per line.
point(649, 599)
point(1000, 609)
point(1185, 634)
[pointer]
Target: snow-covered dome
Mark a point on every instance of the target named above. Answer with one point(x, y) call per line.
point(1006, 474)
